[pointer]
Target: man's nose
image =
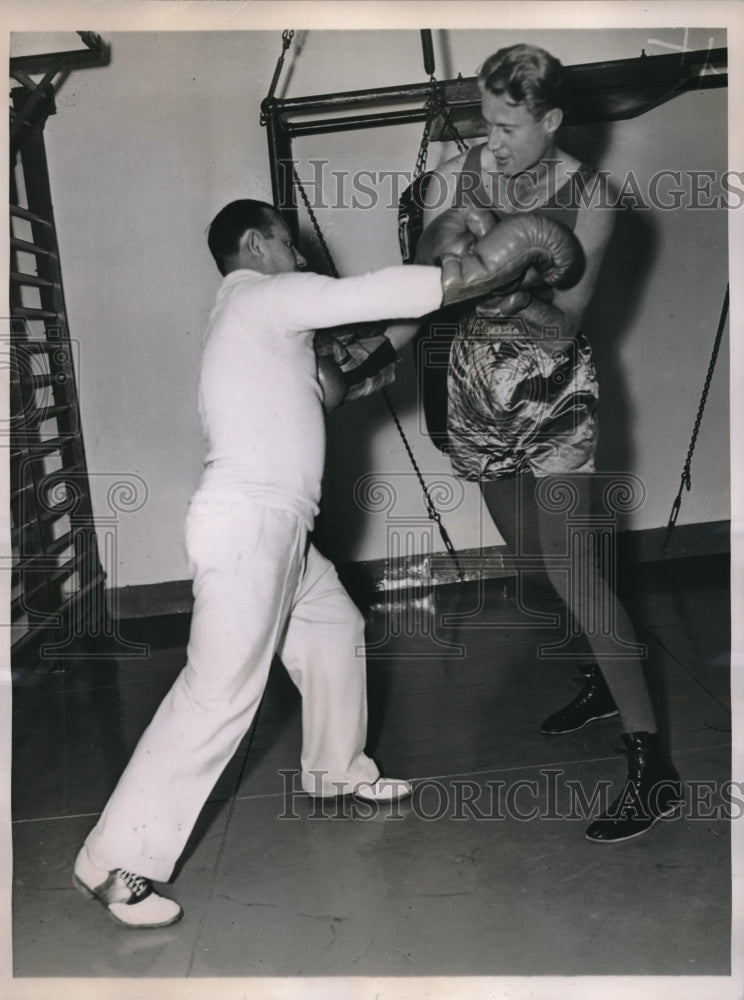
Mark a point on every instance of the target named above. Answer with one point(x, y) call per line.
point(494, 140)
point(300, 260)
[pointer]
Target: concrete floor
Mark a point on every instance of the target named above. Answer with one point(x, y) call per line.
point(484, 873)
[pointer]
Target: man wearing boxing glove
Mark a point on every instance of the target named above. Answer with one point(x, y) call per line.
point(260, 587)
point(523, 391)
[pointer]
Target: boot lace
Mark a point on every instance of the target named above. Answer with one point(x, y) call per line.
point(138, 885)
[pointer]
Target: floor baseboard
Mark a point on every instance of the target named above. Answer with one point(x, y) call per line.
point(382, 575)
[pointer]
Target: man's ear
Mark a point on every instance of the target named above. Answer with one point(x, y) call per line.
point(251, 242)
point(552, 120)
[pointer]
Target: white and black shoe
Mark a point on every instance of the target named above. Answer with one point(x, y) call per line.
point(129, 899)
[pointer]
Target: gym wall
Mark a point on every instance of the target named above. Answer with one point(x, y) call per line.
point(144, 152)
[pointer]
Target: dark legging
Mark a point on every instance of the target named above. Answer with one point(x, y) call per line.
point(547, 526)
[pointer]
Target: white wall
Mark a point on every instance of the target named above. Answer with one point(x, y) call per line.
point(144, 152)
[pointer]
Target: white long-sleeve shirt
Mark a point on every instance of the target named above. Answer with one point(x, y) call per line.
point(259, 398)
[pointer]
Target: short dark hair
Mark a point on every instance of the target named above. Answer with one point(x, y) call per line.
point(228, 226)
point(526, 74)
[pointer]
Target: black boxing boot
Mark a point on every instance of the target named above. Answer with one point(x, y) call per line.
point(653, 790)
point(594, 701)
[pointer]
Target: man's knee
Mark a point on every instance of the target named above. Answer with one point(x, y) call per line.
point(342, 615)
point(355, 620)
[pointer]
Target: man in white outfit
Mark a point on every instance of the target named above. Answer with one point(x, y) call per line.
point(260, 587)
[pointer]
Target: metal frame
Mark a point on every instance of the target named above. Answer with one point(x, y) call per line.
point(39, 99)
point(601, 91)
point(595, 92)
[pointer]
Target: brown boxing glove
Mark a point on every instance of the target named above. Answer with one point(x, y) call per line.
point(454, 232)
point(530, 249)
point(534, 318)
point(503, 306)
point(332, 382)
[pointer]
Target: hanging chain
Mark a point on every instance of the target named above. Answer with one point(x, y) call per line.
point(436, 104)
point(316, 224)
point(429, 108)
point(686, 478)
point(448, 123)
point(431, 509)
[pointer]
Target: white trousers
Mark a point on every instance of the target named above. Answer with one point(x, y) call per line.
point(259, 589)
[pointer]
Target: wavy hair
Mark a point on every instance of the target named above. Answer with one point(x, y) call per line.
point(527, 75)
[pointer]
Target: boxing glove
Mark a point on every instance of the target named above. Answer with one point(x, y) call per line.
point(361, 355)
point(453, 232)
point(520, 251)
point(534, 318)
point(498, 306)
point(332, 382)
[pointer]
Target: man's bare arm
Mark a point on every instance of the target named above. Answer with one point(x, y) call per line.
point(593, 230)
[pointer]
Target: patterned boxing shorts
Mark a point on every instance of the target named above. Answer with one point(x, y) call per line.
point(518, 405)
